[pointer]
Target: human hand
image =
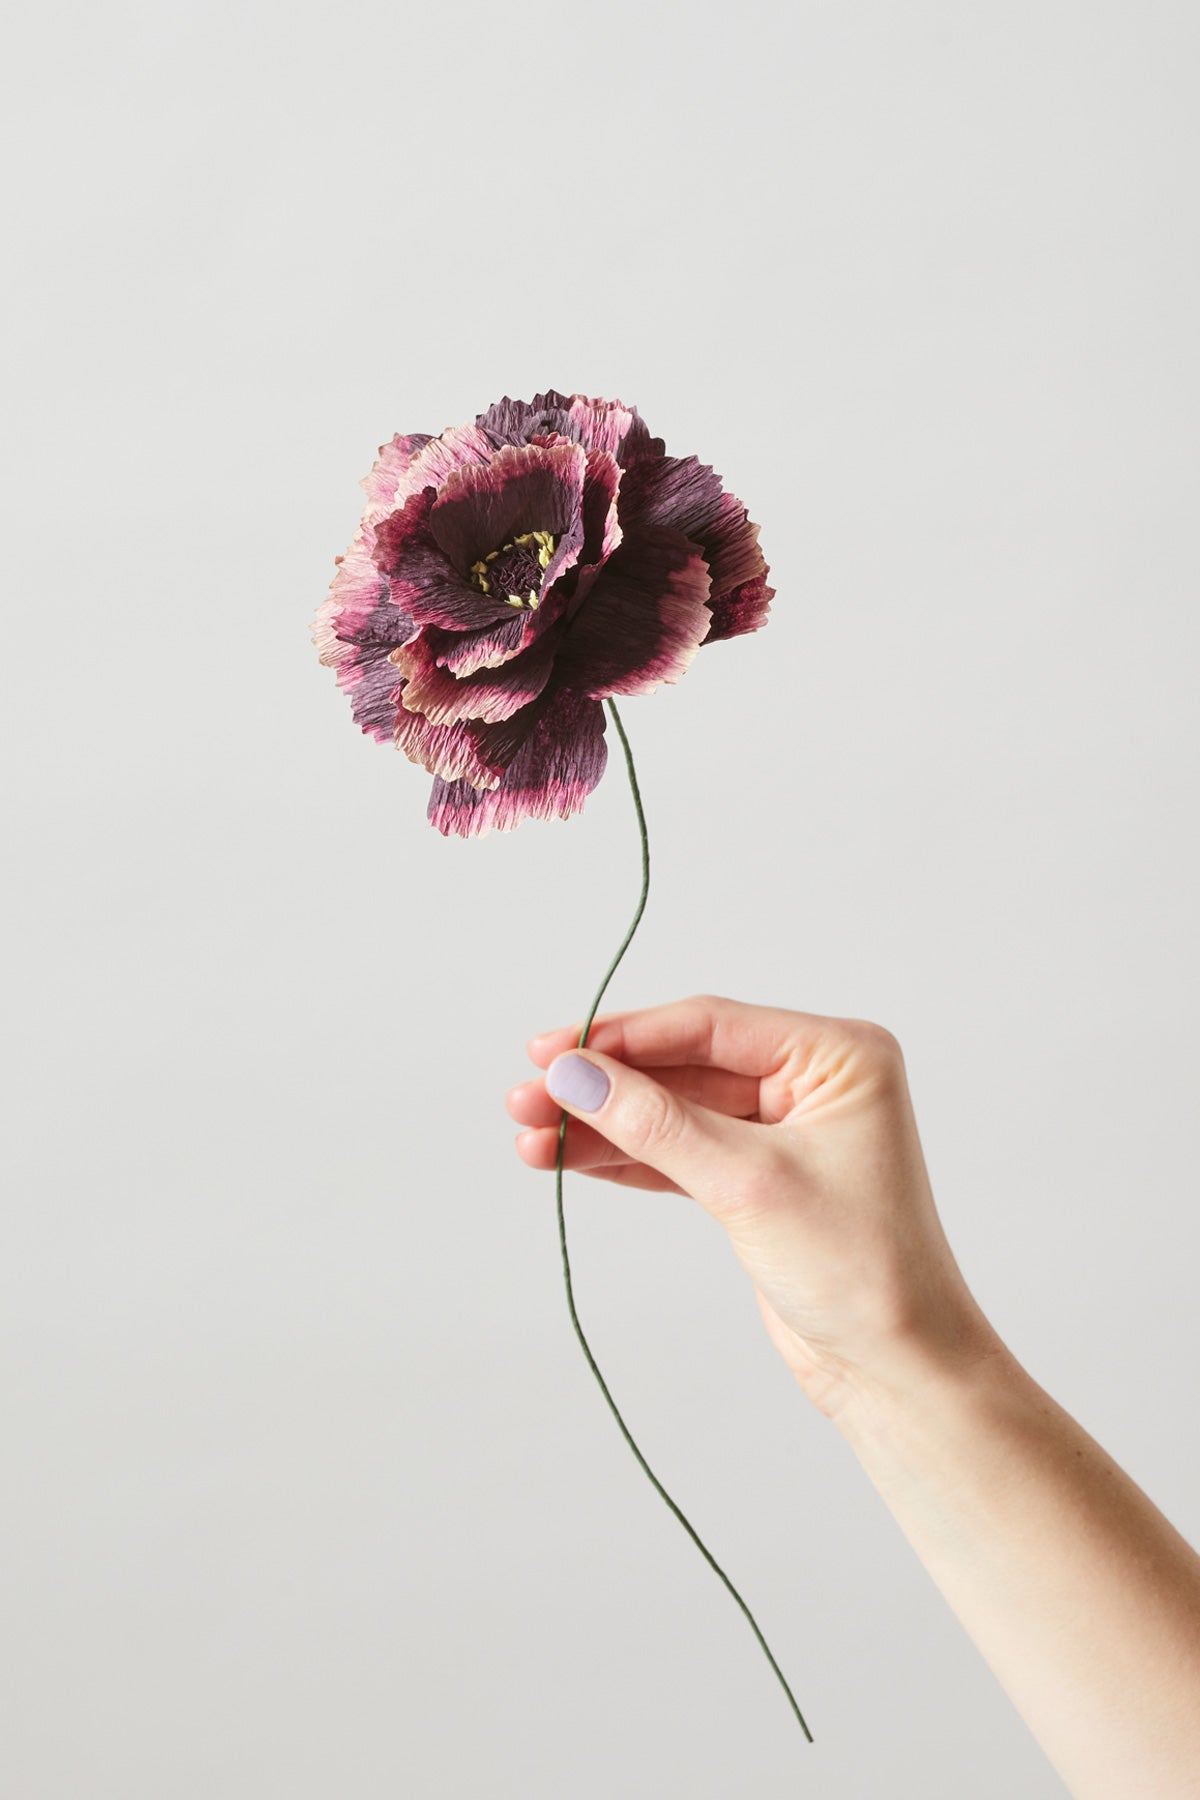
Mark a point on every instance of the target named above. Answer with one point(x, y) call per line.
point(796, 1132)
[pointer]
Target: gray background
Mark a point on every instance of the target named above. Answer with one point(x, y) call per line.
point(309, 1492)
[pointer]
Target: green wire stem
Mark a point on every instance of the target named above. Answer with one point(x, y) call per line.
point(562, 1234)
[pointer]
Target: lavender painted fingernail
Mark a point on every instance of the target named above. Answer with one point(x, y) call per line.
point(577, 1082)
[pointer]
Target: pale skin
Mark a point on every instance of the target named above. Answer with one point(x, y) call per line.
point(796, 1133)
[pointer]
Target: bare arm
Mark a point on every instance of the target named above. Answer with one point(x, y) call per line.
point(1082, 1597)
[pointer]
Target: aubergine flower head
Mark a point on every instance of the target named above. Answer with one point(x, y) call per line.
point(508, 576)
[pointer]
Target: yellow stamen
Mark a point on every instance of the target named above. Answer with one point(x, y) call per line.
point(543, 542)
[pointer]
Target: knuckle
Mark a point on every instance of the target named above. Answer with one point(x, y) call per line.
point(705, 1015)
point(885, 1042)
point(876, 1040)
point(708, 1007)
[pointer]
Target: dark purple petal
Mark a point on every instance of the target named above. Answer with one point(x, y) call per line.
point(601, 527)
point(643, 621)
point(516, 421)
point(489, 694)
point(477, 755)
point(462, 652)
point(687, 494)
point(596, 424)
point(551, 775)
point(530, 488)
point(423, 582)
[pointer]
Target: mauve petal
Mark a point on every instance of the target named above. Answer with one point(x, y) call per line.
point(360, 656)
point(385, 477)
point(745, 609)
point(438, 458)
point(449, 752)
point(523, 488)
point(374, 689)
point(355, 590)
point(489, 695)
point(596, 424)
point(517, 421)
point(609, 425)
point(358, 609)
point(452, 752)
point(550, 777)
point(462, 652)
point(644, 620)
point(400, 471)
point(423, 582)
point(686, 493)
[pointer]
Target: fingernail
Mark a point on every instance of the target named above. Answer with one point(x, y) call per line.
point(577, 1082)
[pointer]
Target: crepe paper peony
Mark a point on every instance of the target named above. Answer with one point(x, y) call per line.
point(509, 578)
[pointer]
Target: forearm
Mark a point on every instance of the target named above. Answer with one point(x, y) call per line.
point(1082, 1597)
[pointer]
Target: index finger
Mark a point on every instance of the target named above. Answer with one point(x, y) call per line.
point(707, 1029)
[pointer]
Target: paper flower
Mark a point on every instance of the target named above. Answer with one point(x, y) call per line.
point(506, 581)
point(511, 574)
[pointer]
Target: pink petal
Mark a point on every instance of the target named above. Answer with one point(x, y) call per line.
point(550, 777)
point(489, 694)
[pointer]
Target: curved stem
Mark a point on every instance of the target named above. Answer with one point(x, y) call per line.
point(562, 1236)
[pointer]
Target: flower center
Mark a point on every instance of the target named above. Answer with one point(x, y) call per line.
point(514, 572)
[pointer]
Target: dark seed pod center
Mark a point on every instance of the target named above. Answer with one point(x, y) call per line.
point(514, 571)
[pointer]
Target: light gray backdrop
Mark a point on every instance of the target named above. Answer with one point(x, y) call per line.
point(310, 1493)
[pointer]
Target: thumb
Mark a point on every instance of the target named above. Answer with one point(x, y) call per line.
point(689, 1144)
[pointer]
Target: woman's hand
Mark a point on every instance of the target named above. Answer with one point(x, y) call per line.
point(796, 1133)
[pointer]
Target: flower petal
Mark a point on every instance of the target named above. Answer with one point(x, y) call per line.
point(423, 581)
point(609, 425)
point(686, 493)
point(742, 610)
point(468, 751)
point(374, 690)
point(438, 458)
point(601, 527)
point(644, 620)
point(551, 775)
point(356, 589)
point(524, 488)
point(516, 421)
point(488, 694)
point(596, 424)
point(462, 652)
point(358, 614)
point(388, 472)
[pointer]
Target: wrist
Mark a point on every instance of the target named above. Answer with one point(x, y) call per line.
point(921, 1373)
